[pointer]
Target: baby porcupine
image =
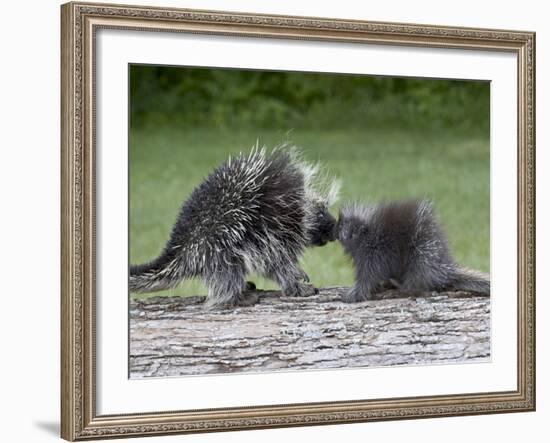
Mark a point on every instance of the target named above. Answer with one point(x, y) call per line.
point(255, 213)
point(403, 244)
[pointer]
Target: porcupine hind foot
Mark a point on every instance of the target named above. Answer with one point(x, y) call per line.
point(298, 289)
point(250, 286)
point(242, 300)
point(290, 278)
point(246, 299)
point(227, 287)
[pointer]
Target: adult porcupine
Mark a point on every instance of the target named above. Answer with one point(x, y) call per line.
point(401, 243)
point(254, 213)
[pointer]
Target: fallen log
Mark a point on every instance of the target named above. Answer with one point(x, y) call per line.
point(176, 336)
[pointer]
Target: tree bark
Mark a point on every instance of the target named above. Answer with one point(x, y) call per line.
point(175, 336)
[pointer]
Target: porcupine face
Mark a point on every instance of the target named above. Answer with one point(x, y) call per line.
point(322, 230)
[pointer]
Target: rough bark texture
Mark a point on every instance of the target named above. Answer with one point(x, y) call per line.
point(173, 336)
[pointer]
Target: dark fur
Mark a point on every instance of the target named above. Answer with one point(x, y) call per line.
point(254, 213)
point(401, 243)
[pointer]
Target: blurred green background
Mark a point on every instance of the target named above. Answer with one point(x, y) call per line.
point(384, 137)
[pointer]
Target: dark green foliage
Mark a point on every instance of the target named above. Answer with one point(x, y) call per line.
point(227, 98)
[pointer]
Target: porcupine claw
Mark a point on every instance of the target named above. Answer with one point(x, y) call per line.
point(304, 277)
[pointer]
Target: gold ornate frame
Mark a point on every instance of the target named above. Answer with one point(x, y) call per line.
point(79, 22)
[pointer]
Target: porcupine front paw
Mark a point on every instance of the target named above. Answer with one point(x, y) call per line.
point(354, 296)
point(300, 290)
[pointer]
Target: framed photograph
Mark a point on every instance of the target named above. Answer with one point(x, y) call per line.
point(277, 221)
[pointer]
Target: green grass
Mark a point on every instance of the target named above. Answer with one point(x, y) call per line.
point(451, 167)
